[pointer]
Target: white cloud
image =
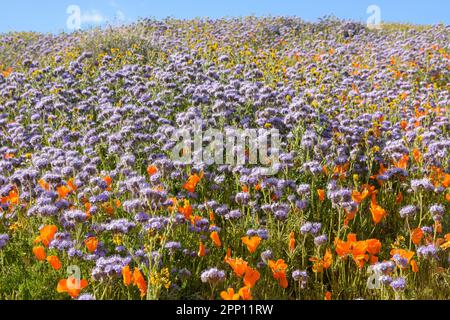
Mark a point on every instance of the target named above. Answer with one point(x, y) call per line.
point(92, 17)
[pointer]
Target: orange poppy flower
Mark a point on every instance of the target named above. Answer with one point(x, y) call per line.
point(416, 155)
point(91, 244)
point(251, 277)
point(343, 248)
point(186, 210)
point(152, 170)
point(229, 295)
point(328, 295)
point(7, 72)
point(63, 191)
point(417, 236)
point(359, 255)
point(54, 262)
point(191, 184)
point(322, 264)
point(238, 265)
point(71, 286)
point(378, 213)
point(39, 252)
point(46, 235)
point(403, 162)
point(446, 244)
point(373, 246)
point(446, 182)
point(44, 185)
point(279, 272)
point(201, 250)
point(108, 180)
point(321, 194)
point(447, 197)
point(139, 281)
point(127, 276)
point(71, 185)
point(403, 124)
point(216, 239)
point(251, 243)
point(405, 254)
point(245, 293)
point(359, 197)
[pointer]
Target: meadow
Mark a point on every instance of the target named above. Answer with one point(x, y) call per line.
point(92, 206)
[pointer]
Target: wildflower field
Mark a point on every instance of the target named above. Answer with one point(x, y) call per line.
point(92, 206)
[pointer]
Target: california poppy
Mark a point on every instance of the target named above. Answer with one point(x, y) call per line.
point(229, 295)
point(251, 277)
point(373, 246)
point(359, 197)
point(39, 252)
point(91, 244)
point(191, 184)
point(63, 191)
point(216, 239)
point(139, 281)
point(445, 245)
point(54, 262)
point(321, 194)
point(127, 276)
point(416, 236)
point(238, 265)
point(152, 170)
point(245, 293)
point(186, 210)
point(46, 235)
point(108, 180)
point(279, 272)
point(71, 286)
point(322, 264)
point(44, 185)
point(201, 250)
point(251, 243)
point(378, 213)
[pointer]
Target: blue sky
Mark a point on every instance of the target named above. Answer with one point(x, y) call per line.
point(52, 16)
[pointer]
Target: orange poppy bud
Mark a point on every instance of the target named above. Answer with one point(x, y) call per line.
point(292, 242)
point(414, 266)
point(127, 276)
point(321, 194)
point(201, 250)
point(216, 239)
